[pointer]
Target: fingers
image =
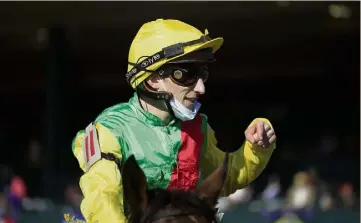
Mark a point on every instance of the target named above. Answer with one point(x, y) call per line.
point(270, 133)
point(272, 139)
point(260, 133)
point(269, 139)
point(267, 127)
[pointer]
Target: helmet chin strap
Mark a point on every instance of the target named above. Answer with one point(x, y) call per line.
point(157, 95)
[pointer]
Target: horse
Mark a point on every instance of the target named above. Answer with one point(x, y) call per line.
point(171, 206)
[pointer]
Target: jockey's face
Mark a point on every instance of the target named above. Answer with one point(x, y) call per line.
point(187, 93)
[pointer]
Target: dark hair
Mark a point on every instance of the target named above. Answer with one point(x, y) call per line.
point(187, 202)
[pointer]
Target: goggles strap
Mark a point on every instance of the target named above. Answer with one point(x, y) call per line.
point(167, 52)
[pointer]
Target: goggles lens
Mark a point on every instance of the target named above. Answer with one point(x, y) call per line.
point(186, 74)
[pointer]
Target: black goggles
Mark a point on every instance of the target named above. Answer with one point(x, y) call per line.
point(186, 74)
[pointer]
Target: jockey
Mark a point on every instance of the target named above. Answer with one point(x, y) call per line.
point(160, 124)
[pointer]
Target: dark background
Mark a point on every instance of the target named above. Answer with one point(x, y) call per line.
point(62, 63)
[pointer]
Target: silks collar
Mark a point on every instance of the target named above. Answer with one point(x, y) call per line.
point(146, 116)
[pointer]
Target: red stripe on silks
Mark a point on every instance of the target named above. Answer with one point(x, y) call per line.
point(87, 148)
point(92, 150)
point(185, 175)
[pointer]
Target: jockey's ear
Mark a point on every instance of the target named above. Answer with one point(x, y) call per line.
point(212, 186)
point(134, 186)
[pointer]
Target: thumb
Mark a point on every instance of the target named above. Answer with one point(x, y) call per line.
point(250, 133)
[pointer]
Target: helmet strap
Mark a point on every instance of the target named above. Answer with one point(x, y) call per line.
point(166, 53)
point(156, 95)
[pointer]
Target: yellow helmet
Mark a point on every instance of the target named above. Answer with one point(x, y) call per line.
point(161, 41)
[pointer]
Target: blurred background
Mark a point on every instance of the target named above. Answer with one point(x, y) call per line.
point(296, 63)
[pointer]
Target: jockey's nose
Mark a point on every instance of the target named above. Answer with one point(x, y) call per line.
point(199, 88)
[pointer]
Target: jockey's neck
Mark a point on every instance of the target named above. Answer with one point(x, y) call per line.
point(156, 107)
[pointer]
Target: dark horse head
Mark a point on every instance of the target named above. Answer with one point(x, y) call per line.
point(158, 205)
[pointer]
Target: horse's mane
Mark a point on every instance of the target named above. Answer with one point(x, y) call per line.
point(187, 202)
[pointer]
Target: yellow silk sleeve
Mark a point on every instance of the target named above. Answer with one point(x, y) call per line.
point(245, 164)
point(101, 184)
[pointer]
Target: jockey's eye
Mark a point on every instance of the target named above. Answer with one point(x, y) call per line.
point(186, 74)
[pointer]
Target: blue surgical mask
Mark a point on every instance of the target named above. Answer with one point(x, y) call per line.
point(182, 112)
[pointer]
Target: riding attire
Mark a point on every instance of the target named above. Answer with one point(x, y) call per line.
point(174, 154)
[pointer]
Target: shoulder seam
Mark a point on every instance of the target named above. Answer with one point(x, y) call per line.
point(106, 112)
